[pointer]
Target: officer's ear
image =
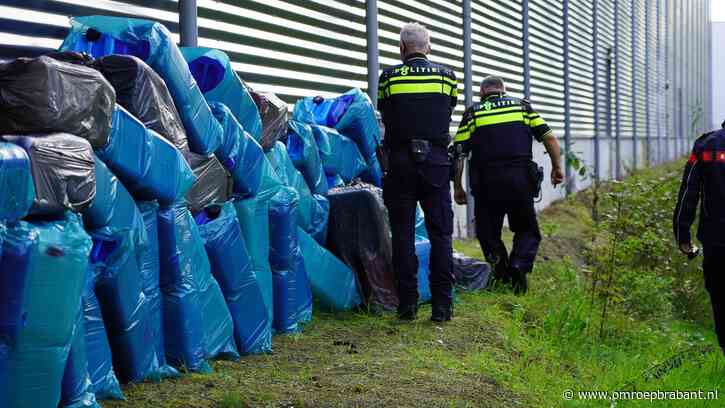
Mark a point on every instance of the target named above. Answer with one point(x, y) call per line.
point(427, 49)
point(402, 50)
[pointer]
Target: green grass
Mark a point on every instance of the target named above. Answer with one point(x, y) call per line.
point(499, 351)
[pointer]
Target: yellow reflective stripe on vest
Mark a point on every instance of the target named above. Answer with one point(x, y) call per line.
point(421, 78)
point(536, 122)
point(462, 135)
point(499, 119)
point(397, 89)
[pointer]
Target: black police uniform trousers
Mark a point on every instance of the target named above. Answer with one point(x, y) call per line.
point(500, 192)
point(713, 266)
point(406, 184)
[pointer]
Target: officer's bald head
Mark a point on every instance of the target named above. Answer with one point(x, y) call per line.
point(491, 85)
point(414, 38)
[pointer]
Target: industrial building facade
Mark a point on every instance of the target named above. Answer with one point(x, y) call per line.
point(623, 83)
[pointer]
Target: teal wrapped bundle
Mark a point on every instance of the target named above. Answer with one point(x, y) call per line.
point(239, 153)
point(353, 115)
point(333, 283)
point(150, 281)
point(197, 323)
point(292, 293)
point(55, 263)
point(313, 210)
point(216, 78)
point(77, 388)
point(147, 164)
point(16, 183)
point(340, 155)
point(232, 267)
point(303, 150)
point(98, 351)
point(151, 42)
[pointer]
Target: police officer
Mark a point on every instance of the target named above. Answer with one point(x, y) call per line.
point(416, 99)
point(703, 182)
point(499, 133)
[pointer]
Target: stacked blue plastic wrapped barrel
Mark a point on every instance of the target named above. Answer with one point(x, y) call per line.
point(157, 213)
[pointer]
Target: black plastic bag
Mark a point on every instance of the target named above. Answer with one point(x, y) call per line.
point(144, 94)
point(274, 115)
point(44, 95)
point(213, 182)
point(471, 274)
point(64, 172)
point(359, 234)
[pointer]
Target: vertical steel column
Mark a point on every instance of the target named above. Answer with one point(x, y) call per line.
point(617, 93)
point(467, 53)
point(608, 100)
point(648, 95)
point(468, 93)
point(567, 98)
point(635, 108)
point(526, 47)
point(371, 27)
point(668, 84)
point(658, 81)
point(188, 23)
point(595, 72)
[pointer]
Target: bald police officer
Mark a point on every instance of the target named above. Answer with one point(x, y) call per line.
point(499, 133)
point(416, 100)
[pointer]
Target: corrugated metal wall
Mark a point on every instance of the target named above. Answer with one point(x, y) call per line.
point(642, 102)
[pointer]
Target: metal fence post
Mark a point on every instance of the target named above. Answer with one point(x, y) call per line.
point(648, 95)
point(635, 108)
point(525, 46)
point(658, 81)
point(371, 26)
point(567, 99)
point(595, 72)
point(188, 23)
point(617, 97)
point(468, 92)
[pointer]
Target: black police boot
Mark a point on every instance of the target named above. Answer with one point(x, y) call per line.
point(501, 275)
point(441, 313)
point(519, 281)
point(407, 312)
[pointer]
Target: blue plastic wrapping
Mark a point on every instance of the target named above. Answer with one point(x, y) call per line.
point(335, 181)
point(148, 165)
point(339, 154)
point(150, 275)
point(76, 388)
point(292, 292)
point(353, 115)
point(124, 307)
point(253, 216)
point(16, 244)
point(197, 323)
point(239, 153)
point(313, 210)
point(151, 42)
point(16, 183)
point(422, 251)
point(54, 255)
point(216, 78)
point(420, 229)
point(333, 283)
point(303, 150)
point(98, 351)
point(232, 267)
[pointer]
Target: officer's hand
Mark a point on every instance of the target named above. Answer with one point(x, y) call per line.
point(557, 176)
point(460, 196)
point(686, 248)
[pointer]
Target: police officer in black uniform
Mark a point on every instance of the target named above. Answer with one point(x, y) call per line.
point(703, 183)
point(499, 132)
point(416, 100)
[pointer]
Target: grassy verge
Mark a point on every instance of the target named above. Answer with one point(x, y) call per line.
point(499, 351)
